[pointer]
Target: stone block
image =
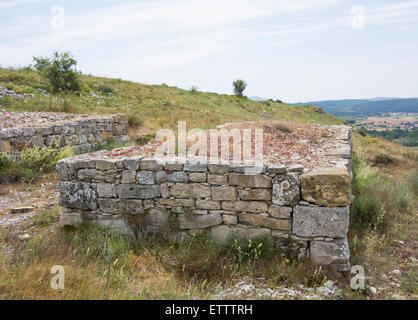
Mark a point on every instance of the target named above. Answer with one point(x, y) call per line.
point(245, 206)
point(128, 176)
point(224, 193)
point(106, 190)
point(176, 176)
point(208, 204)
point(255, 194)
point(77, 195)
point(286, 189)
point(249, 181)
point(220, 168)
point(151, 164)
point(229, 219)
point(321, 221)
point(331, 253)
point(265, 221)
point(190, 221)
point(280, 211)
point(327, 187)
point(191, 190)
point(146, 177)
point(197, 177)
point(121, 206)
point(133, 191)
point(217, 179)
point(193, 166)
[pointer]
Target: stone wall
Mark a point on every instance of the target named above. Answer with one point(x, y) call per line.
point(84, 132)
point(306, 211)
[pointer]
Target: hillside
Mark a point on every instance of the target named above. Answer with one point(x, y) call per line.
point(365, 107)
point(149, 106)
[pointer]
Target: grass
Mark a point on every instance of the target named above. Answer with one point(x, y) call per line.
point(151, 107)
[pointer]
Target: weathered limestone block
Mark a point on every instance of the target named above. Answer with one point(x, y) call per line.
point(222, 233)
point(321, 221)
point(131, 163)
point(249, 169)
point(245, 206)
point(280, 211)
point(190, 221)
point(105, 165)
point(106, 190)
point(208, 204)
point(229, 219)
point(251, 181)
point(194, 166)
point(294, 249)
point(255, 194)
point(331, 253)
point(276, 169)
point(121, 206)
point(286, 189)
point(133, 191)
point(165, 190)
point(65, 170)
point(217, 179)
point(220, 168)
point(224, 193)
point(327, 187)
point(78, 195)
point(197, 177)
point(265, 221)
point(128, 176)
point(146, 177)
point(191, 190)
point(173, 166)
point(38, 141)
point(150, 164)
point(177, 202)
point(108, 176)
point(116, 224)
point(176, 176)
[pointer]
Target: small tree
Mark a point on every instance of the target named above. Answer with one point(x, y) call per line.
point(239, 87)
point(60, 71)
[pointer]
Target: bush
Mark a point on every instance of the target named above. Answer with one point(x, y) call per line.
point(106, 89)
point(60, 71)
point(43, 159)
point(134, 120)
point(250, 250)
point(239, 87)
point(361, 132)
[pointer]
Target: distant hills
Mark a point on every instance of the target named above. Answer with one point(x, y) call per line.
point(365, 107)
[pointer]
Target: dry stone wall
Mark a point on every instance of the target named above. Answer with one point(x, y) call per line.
point(83, 132)
point(306, 211)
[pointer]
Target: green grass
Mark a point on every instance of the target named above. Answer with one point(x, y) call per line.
point(151, 106)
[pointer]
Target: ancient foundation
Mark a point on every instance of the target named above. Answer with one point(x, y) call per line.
point(303, 202)
point(83, 132)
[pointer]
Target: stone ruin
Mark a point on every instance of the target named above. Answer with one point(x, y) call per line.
point(300, 195)
point(83, 132)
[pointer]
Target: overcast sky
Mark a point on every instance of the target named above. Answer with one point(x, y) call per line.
point(294, 50)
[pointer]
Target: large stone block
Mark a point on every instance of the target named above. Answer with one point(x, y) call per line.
point(321, 221)
point(191, 190)
point(133, 191)
point(78, 195)
point(286, 189)
point(245, 206)
point(197, 177)
point(265, 221)
point(176, 176)
point(327, 187)
point(255, 194)
point(177, 202)
point(151, 164)
point(121, 206)
point(191, 221)
point(224, 193)
point(146, 177)
point(106, 190)
point(218, 179)
point(280, 211)
point(250, 181)
point(331, 253)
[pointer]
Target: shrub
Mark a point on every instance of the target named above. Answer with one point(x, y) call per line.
point(43, 159)
point(250, 250)
point(106, 89)
point(384, 159)
point(361, 132)
point(134, 120)
point(239, 87)
point(193, 90)
point(60, 71)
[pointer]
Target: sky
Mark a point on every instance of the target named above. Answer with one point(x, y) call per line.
point(293, 50)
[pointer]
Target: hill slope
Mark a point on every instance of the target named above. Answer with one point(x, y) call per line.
point(152, 106)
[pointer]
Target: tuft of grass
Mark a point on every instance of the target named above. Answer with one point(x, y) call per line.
point(134, 120)
point(47, 218)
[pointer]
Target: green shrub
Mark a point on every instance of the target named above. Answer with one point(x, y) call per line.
point(250, 250)
point(106, 89)
point(368, 212)
point(364, 175)
point(194, 90)
point(140, 141)
point(43, 159)
point(134, 120)
point(60, 71)
point(361, 132)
